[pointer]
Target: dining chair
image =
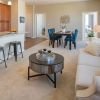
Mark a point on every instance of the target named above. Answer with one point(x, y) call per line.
point(73, 38)
point(52, 37)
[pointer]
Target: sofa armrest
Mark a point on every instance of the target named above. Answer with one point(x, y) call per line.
point(86, 92)
point(91, 89)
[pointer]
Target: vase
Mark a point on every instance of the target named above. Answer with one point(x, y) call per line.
point(64, 30)
point(90, 38)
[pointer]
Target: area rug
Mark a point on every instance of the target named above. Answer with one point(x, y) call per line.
point(15, 86)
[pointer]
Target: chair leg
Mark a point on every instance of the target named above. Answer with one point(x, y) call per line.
point(57, 43)
point(65, 44)
point(74, 45)
point(53, 43)
point(4, 58)
point(8, 52)
point(62, 40)
point(49, 42)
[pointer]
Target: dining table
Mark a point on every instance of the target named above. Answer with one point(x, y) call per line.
point(60, 33)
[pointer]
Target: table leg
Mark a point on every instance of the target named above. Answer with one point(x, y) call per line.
point(53, 42)
point(70, 43)
point(52, 80)
point(28, 73)
point(61, 72)
point(33, 75)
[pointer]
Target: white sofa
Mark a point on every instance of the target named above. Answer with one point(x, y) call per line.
point(87, 66)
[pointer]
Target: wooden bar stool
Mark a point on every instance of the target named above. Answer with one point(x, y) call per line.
point(4, 60)
point(15, 45)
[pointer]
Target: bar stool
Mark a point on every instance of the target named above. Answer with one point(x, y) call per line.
point(15, 45)
point(4, 60)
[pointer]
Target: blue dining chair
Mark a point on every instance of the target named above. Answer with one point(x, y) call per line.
point(73, 38)
point(53, 37)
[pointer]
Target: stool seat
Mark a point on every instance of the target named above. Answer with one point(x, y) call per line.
point(2, 50)
point(15, 44)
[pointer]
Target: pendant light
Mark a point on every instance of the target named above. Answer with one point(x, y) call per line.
point(9, 2)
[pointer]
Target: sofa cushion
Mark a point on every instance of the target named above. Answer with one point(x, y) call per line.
point(85, 74)
point(87, 59)
point(93, 48)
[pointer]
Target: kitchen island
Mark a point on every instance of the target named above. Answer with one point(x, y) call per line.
point(7, 38)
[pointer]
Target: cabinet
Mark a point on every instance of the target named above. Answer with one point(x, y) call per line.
point(5, 17)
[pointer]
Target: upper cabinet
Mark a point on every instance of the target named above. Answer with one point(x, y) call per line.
point(5, 17)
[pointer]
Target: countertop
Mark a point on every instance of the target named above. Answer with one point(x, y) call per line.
point(6, 33)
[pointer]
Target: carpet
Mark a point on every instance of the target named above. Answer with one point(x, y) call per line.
point(15, 86)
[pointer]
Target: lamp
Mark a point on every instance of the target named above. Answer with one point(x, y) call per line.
point(97, 30)
point(9, 2)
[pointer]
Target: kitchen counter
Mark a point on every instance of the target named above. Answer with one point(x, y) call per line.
point(7, 38)
point(5, 33)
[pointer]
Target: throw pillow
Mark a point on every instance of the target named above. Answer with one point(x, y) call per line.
point(93, 48)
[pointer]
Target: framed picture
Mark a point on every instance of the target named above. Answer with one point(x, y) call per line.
point(22, 19)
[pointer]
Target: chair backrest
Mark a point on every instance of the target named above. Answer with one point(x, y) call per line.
point(74, 35)
point(50, 32)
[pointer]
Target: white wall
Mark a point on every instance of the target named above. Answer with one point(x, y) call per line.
point(21, 13)
point(17, 10)
point(29, 21)
point(34, 27)
point(73, 9)
point(40, 19)
point(14, 15)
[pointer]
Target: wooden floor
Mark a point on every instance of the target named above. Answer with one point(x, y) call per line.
point(29, 42)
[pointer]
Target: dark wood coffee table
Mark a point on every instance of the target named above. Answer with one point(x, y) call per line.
point(45, 67)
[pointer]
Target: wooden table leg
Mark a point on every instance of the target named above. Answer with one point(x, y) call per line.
point(70, 43)
point(53, 42)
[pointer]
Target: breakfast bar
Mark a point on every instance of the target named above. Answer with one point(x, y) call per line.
point(6, 38)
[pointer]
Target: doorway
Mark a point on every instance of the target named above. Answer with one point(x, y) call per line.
point(40, 25)
point(89, 21)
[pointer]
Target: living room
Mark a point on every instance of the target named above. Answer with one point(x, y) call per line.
point(72, 73)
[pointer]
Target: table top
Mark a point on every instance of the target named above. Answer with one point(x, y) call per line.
point(58, 60)
point(63, 33)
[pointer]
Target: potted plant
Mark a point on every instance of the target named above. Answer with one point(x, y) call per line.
point(43, 31)
point(64, 28)
point(90, 35)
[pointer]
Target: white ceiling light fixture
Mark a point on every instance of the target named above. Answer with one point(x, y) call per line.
point(9, 2)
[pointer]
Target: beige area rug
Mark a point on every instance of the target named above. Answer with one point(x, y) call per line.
point(15, 86)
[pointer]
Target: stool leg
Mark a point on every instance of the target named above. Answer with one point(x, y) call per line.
point(8, 52)
point(4, 58)
point(21, 50)
point(15, 52)
point(54, 80)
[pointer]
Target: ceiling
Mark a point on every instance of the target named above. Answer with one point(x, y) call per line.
point(47, 1)
point(51, 1)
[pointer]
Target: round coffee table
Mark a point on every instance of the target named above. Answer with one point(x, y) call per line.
point(45, 67)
